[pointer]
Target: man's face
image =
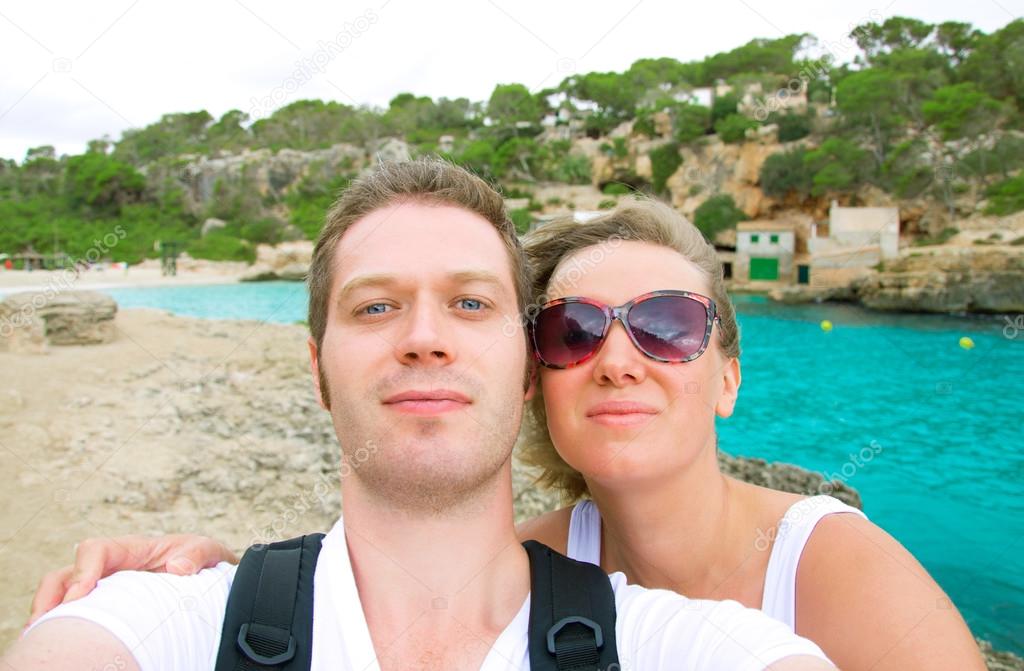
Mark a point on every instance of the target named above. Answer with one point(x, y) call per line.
point(425, 388)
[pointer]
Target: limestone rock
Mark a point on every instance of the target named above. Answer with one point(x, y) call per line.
point(389, 150)
point(31, 320)
point(948, 280)
point(286, 261)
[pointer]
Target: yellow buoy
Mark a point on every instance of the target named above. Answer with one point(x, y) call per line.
point(826, 325)
point(966, 343)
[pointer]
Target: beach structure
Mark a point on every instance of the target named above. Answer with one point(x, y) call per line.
point(765, 252)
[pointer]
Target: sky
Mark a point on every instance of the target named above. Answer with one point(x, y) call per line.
point(74, 71)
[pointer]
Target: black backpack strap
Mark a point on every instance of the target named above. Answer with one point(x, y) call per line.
point(572, 614)
point(269, 619)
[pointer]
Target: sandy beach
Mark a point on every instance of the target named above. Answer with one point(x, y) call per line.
point(145, 274)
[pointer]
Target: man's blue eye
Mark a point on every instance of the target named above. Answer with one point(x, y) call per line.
point(471, 304)
point(376, 308)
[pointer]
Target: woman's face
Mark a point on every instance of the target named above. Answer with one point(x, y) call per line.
point(680, 399)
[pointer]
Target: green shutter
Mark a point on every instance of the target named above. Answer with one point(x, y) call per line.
point(764, 268)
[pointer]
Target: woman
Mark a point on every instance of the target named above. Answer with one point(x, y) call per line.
point(639, 353)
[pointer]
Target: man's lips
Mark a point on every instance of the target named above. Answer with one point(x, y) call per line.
point(427, 402)
point(621, 413)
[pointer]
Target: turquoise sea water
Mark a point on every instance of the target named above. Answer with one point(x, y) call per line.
point(930, 433)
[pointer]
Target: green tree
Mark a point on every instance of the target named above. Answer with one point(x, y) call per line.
point(837, 166)
point(895, 33)
point(873, 105)
point(229, 132)
point(956, 40)
point(733, 128)
point(648, 74)
point(174, 134)
point(996, 63)
point(786, 172)
point(792, 126)
point(614, 94)
point(906, 171)
point(665, 160)
point(479, 157)
point(723, 106)
point(101, 182)
point(759, 55)
point(961, 110)
point(690, 122)
point(510, 103)
point(1006, 197)
point(716, 214)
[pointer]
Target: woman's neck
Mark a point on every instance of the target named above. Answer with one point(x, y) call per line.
point(687, 532)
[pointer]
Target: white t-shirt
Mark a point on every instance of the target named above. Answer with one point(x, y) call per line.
point(174, 623)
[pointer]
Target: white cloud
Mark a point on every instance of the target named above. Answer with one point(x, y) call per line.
point(131, 62)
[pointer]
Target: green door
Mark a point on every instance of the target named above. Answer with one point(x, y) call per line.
point(764, 268)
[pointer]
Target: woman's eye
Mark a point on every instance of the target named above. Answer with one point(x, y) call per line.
point(471, 304)
point(376, 309)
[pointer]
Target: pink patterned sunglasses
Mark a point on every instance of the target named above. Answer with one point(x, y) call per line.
point(667, 326)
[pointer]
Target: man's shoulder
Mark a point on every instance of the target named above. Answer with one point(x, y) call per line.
point(152, 614)
point(657, 624)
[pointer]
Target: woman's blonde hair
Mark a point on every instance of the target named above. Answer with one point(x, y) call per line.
point(637, 219)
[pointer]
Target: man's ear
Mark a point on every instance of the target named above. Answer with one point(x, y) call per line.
point(531, 386)
point(319, 380)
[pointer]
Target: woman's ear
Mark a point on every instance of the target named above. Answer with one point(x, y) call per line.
point(730, 388)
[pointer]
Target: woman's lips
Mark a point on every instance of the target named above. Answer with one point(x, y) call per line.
point(621, 413)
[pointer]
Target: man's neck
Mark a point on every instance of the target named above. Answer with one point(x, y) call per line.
point(437, 587)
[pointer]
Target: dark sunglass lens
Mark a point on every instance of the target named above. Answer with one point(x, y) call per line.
point(669, 327)
point(565, 334)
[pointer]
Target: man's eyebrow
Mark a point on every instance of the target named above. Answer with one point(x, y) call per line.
point(484, 276)
point(387, 279)
point(372, 280)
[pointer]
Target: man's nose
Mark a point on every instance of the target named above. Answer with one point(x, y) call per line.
point(426, 340)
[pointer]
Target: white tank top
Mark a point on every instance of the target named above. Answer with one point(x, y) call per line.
point(789, 538)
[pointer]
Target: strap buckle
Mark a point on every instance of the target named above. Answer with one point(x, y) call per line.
point(274, 649)
point(574, 619)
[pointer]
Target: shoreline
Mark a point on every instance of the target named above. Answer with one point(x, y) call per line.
point(17, 281)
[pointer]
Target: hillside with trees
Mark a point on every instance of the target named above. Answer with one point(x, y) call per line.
point(926, 112)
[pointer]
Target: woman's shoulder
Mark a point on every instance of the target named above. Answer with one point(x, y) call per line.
point(856, 582)
point(551, 529)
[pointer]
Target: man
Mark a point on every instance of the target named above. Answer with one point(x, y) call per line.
point(414, 277)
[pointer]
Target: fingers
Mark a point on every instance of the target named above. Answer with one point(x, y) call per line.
point(95, 558)
point(197, 553)
point(50, 592)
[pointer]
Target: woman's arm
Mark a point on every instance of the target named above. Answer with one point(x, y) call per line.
point(95, 558)
point(869, 604)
